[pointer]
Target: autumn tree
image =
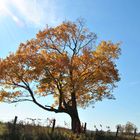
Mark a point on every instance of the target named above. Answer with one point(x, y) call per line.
point(62, 62)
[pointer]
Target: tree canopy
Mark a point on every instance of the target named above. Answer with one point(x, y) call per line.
point(62, 62)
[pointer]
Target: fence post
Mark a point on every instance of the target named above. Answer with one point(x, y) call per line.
point(135, 133)
point(53, 126)
point(85, 127)
point(14, 124)
point(13, 129)
point(117, 131)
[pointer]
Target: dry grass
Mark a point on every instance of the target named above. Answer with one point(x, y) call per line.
point(37, 132)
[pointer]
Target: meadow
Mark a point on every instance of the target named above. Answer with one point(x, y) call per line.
point(31, 131)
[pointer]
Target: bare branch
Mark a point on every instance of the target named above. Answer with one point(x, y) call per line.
point(21, 100)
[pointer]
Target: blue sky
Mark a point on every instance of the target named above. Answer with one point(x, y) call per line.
point(115, 20)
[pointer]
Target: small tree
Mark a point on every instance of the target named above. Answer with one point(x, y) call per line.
point(62, 62)
point(129, 128)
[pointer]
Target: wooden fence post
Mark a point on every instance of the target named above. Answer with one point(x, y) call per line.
point(85, 127)
point(14, 124)
point(135, 133)
point(13, 129)
point(117, 131)
point(53, 126)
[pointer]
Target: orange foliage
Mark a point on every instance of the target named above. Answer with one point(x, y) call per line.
point(61, 61)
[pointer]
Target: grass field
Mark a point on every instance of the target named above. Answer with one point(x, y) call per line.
point(36, 132)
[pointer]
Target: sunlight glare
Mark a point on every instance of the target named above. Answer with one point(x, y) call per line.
point(3, 7)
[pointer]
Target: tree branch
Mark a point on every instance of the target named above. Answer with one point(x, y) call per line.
point(43, 107)
point(21, 100)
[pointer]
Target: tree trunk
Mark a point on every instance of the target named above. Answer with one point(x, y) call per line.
point(75, 122)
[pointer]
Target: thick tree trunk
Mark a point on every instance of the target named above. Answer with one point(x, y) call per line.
point(75, 122)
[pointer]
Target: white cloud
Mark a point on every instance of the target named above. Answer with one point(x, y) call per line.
point(31, 12)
